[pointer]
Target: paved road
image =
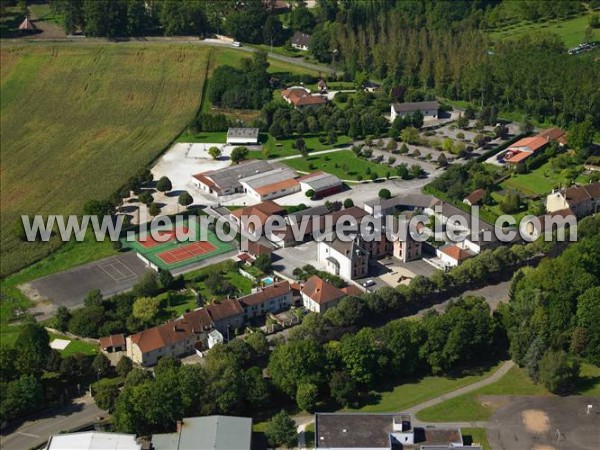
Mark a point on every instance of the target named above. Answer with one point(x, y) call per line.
point(32, 433)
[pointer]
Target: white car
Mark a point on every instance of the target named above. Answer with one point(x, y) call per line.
point(368, 283)
point(236, 44)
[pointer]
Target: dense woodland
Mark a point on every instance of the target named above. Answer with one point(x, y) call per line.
point(418, 49)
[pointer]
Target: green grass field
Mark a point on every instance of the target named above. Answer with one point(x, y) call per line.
point(243, 284)
point(155, 253)
point(413, 393)
point(343, 164)
point(571, 31)
point(65, 143)
point(469, 407)
point(539, 181)
point(476, 436)
point(75, 346)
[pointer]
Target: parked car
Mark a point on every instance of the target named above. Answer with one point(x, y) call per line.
point(368, 283)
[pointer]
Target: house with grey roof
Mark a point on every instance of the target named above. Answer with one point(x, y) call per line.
point(382, 431)
point(428, 109)
point(301, 41)
point(226, 181)
point(242, 136)
point(207, 433)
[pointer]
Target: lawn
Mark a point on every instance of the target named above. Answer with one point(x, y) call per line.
point(475, 436)
point(278, 148)
point(194, 279)
point(468, 407)
point(571, 31)
point(343, 164)
point(539, 181)
point(65, 143)
point(413, 393)
point(75, 346)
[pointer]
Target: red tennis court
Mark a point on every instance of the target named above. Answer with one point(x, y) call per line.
point(150, 242)
point(184, 252)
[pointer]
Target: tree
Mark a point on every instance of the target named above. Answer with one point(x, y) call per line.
point(214, 152)
point(301, 19)
point(511, 203)
point(239, 154)
point(385, 194)
point(147, 285)
point(526, 126)
point(307, 395)
point(146, 198)
point(105, 396)
point(164, 184)
point(154, 209)
point(301, 146)
point(442, 160)
point(588, 316)
point(404, 149)
point(185, 199)
point(98, 208)
point(281, 430)
point(263, 263)
point(348, 203)
point(295, 363)
point(558, 371)
point(343, 388)
point(146, 309)
point(581, 135)
point(61, 320)
point(33, 348)
point(165, 278)
point(310, 193)
point(101, 365)
point(410, 135)
point(124, 366)
point(20, 396)
point(462, 122)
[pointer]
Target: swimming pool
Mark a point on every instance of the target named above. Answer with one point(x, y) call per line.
point(268, 280)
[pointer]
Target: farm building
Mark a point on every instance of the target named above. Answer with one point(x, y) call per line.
point(322, 183)
point(242, 136)
point(226, 181)
point(273, 184)
point(428, 109)
point(262, 212)
point(524, 148)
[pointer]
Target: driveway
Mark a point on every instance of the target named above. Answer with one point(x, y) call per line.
point(36, 430)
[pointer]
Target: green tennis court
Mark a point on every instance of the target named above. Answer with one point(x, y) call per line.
point(178, 246)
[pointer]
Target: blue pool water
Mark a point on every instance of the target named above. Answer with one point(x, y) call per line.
point(268, 280)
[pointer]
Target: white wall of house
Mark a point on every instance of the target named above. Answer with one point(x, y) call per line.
point(432, 113)
point(446, 259)
point(350, 266)
point(273, 305)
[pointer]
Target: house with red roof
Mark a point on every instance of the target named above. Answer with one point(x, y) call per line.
point(319, 295)
point(453, 255)
point(524, 148)
point(301, 98)
point(271, 299)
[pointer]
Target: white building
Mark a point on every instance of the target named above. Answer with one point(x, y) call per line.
point(347, 260)
point(93, 440)
point(242, 136)
point(214, 338)
point(428, 109)
point(270, 185)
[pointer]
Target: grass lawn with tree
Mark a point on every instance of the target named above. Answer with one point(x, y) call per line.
point(469, 407)
point(343, 164)
point(571, 31)
point(75, 346)
point(409, 394)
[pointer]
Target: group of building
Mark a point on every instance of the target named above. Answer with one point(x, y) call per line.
point(263, 180)
point(333, 431)
point(199, 330)
point(529, 146)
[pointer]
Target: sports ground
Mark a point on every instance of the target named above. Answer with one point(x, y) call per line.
point(178, 247)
